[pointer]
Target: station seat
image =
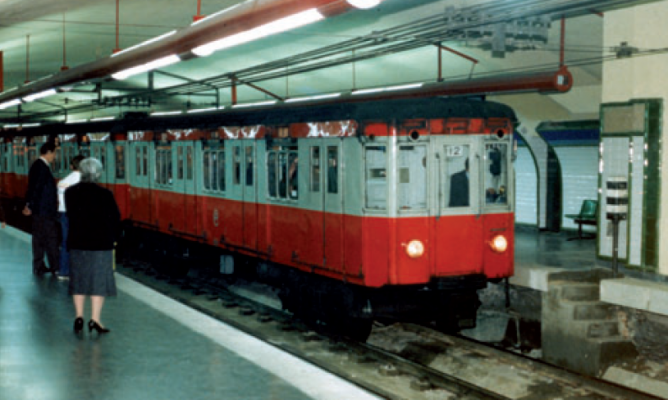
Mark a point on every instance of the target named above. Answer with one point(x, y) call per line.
point(587, 216)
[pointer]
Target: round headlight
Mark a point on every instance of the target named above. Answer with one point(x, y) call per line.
point(499, 244)
point(415, 249)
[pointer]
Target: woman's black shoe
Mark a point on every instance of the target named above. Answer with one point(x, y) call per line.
point(94, 325)
point(78, 325)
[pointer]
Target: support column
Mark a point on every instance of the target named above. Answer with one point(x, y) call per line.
point(630, 77)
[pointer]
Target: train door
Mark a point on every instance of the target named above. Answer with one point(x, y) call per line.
point(457, 225)
point(140, 205)
point(332, 186)
point(184, 183)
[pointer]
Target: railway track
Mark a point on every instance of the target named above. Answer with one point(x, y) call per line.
point(400, 361)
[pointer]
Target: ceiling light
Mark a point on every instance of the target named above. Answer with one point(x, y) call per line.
point(102, 119)
point(165, 113)
point(311, 98)
point(39, 95)
point(159, 63)
point(364, 4)
point(388, 89)
point(32, 125)
point(262, 103)
point(155, 39)
point(9, 103)
point(280, 25)
point(199, 110)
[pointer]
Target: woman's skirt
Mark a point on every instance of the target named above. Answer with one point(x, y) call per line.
point(92, 273)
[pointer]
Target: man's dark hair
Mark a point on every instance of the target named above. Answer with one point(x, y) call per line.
point(76, 160)
point(47, 147)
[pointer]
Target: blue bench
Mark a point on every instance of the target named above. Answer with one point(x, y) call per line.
point(588, 215)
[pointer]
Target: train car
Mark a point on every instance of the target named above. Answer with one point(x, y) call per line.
point(378, 210)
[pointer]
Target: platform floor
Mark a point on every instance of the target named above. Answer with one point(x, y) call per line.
point(157, 348)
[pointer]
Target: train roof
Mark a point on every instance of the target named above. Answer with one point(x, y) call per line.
point(284, 114)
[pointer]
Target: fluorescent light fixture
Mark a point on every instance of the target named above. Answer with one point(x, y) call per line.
point(102, 119)
point(159, 63)
point(388, 89)
point(165, 113)
point(76, 121)
point(259, 104)
point(216, 14)
point(311, 98)
point(200, 110)
point(39, 95)
point(153, 40)
point(32, 125)
point(364, 4)
point(9, 126)
point(9, 103)
point(280, 25)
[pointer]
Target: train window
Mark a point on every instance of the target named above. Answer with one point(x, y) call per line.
point(332, 170)
point(376, 177)
point(213, 167)
point(119, 152)
point(496, 175)
point(271, 174)
point(206, 170)
point(249, 166)
point(189, 163)
point(138, 162)
point(221, 170)
point(457, 169)
point(179, 163)
point(32, 155)
point(282, 174)
point(163, 167)
point(145, 161)
point(102, 158)
point(315, 169)
point(59, 157)
point(236, 159)
point(85, 152)
point(412, 177)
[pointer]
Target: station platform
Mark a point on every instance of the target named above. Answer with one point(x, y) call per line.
point(157, 348)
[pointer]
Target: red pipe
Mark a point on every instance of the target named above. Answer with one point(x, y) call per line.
point(562, 61)
point(199, 12)
point(118, 8)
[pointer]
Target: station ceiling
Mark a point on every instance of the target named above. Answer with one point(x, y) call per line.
point(392, 44)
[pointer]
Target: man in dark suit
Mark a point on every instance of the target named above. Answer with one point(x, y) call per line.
point(42, 204)
point(459, 187)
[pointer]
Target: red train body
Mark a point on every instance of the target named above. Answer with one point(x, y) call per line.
point(366, 225)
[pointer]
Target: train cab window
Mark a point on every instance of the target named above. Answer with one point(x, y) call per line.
point(376, 177)
point(332, 169)
point(249, 166)
point(179, 163)
point(271, 174)
point(32, 155)
point(457, 171)
point(412, 177)
point(119, 155)
point(213, 167)
point(315, 169)
point(189, 163)
point(496, 174)
point(58, 160)
point(236, 169)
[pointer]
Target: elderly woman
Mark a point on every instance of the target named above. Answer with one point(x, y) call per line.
point(94, 224)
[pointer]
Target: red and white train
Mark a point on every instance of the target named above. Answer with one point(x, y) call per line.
point(397, 209)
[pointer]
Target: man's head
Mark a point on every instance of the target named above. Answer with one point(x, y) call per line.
point(48, 151)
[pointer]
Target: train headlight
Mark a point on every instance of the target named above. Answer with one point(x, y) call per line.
point(415, 249)
point(499, 244)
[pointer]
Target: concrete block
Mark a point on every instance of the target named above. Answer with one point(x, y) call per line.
point(591, 310)
point(579, 291)
point(533, 277)
point(602, 329)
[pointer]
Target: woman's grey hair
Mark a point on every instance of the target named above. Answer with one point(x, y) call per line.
point(91, 169)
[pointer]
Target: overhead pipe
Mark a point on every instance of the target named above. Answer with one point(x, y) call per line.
point(233, 20)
